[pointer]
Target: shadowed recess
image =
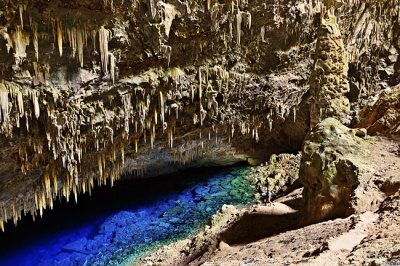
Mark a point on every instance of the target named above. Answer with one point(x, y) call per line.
point(127, 220)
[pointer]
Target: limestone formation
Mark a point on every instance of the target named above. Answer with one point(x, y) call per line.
point(381, 116)
point(280, 174)
point(329, 81)
point(94, 90)
point(332, 158)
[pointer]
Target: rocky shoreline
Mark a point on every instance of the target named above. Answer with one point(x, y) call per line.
point(285, 231)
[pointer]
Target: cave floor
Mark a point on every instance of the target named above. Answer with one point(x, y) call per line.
point(371, 237)
point(271, 235)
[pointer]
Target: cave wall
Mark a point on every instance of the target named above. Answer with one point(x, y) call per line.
point(92, 90)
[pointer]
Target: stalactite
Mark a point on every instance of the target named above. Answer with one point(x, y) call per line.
point(249, 20)
point(112, 67)
point(75, 193)
point(238, 27)
point(256, 135)
point(153, 9)
point(55, 185)
point(100, 166)
point(21, 9)
point(262, 33)
point(93, 36)
point(122, 154)
point(20, 40)
point(36, 106)
point(4, 115)
point(46, 179)
point(162, 110)
point(34, 26)
point(294, 114)
point(104, 37)
point(79, 44)
point(59, 37)
point(166, 49)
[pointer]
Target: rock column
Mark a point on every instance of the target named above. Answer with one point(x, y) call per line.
point(329, 82)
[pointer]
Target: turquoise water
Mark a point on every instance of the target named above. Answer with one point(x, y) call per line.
point(126, 221)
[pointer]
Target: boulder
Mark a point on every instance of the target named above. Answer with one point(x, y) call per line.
point(332, 158)
point(382, 116)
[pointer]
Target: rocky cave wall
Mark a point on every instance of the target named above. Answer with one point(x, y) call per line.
point(92, 90)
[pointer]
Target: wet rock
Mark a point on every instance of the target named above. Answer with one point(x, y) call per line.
point(78, 246)
point(174, 212)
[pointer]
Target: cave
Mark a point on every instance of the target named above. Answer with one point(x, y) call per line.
point(153, 132)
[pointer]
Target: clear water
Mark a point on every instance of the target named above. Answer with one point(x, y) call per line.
point(126, 221)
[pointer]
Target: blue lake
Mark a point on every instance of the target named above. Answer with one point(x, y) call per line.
point(125, 221)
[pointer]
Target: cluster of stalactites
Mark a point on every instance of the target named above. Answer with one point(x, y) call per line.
point(76, 35)
point(56, 182)
point(145, 114)
point(12, 96)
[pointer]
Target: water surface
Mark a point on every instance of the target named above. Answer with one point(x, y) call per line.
point(125, 221)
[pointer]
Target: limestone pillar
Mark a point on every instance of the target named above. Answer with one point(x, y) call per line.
point(329, 82)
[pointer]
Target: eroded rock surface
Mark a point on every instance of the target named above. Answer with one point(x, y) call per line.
point(382, 115)
point(280, 174)
point(91, 90)
point(332, 158)
point(369, 236)
point(329, 82)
